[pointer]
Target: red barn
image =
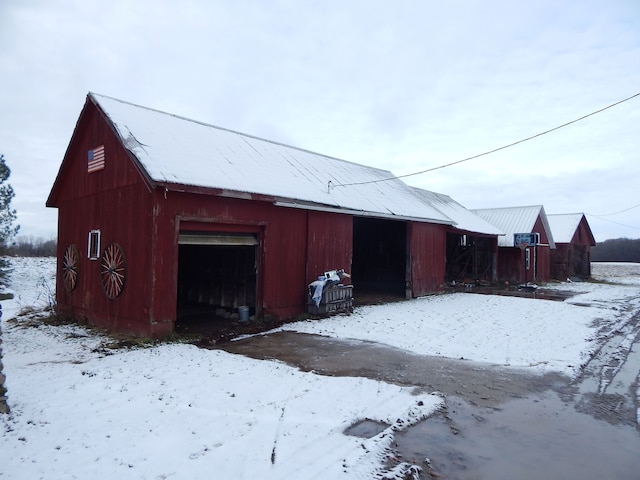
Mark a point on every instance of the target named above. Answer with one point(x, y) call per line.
point(160, 216)
point(574, 239)
point(522, 264)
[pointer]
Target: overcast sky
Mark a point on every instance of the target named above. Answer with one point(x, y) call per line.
point(400, 85)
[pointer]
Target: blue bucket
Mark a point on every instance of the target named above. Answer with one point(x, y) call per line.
point(244, 314)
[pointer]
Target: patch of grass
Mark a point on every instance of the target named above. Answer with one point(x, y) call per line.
point(602, 282)
point(33, 318)
point(52, 318)
point(117, 341)
point(112, 341)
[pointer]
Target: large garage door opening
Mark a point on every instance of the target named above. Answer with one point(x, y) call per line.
point(379, 265)
point(217, 280)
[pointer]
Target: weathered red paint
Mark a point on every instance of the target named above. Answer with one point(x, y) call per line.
point(329, 243)
point(116, 201)
point(427, 252)
point(542, 254)
point(511, 260)
point(574, 258)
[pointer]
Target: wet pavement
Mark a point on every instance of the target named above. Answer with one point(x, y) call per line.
point(499, 423)
point(536, 437)
point(480, 384)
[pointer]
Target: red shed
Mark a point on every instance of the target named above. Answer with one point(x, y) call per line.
point(574, 239)
point(161, 216)
point(531, 263)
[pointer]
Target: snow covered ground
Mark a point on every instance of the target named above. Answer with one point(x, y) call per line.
point(176, 411)
point(522, 332)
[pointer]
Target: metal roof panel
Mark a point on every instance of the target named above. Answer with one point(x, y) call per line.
point(173, 149)
point(516, 220)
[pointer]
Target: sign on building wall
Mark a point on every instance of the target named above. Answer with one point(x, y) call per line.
point(528, 239)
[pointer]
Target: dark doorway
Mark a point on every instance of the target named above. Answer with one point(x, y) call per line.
point(379, 257)
point(469, 259)
point(581, 261)
point(215, 279)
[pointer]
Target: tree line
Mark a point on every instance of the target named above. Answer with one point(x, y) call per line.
point(29, 246)
point(617, 250)
point(10, 244)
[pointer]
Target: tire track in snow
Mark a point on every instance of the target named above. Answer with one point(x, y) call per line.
point(609, 384)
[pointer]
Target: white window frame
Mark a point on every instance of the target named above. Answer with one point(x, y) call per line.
point(93, 245)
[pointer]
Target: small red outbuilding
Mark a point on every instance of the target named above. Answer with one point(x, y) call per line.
point(522, 263)
point(574, 239)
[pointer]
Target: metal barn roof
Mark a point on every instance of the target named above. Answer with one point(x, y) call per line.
point(465, 219)
point(516, 220)
point(564, 226)
point(177, 151)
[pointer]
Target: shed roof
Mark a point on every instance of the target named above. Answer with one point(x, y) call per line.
point(565, 225)
point(516, 220)
point(176, 151)
point(466, 220)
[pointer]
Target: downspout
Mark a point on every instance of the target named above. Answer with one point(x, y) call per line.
point(494, 270)
point(475, 259)
point(408, 284)
point(306, 254)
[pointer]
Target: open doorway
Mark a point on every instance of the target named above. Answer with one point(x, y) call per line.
point(217, 281)
point(379, 258)
point(470, 259)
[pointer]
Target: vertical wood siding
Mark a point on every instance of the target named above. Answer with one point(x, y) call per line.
point(282, 249)
point(543, 254)
point(583, 235)
point(427, 254)
point(569, 259)
point(117, 202)
point(329, 243)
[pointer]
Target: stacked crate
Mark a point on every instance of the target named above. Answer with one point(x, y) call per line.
point(335, 299)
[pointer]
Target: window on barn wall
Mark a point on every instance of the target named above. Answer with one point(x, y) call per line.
point(93, 246)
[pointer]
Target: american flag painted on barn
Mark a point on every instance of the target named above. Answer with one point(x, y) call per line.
point(95, 159)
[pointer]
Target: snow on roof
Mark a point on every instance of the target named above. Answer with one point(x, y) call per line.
point(465, 219)
point(516, 220)
point(564, 225)
point(177, 150)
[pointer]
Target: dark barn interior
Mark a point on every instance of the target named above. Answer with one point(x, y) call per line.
point(469, 259)
point(379, 257)
point(581, 261)
point(571, 261)
point(214, 280)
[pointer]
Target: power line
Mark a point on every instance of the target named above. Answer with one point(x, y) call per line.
point(616, 213)
point(490, 151)
point(602, 217)
point(611, 221)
